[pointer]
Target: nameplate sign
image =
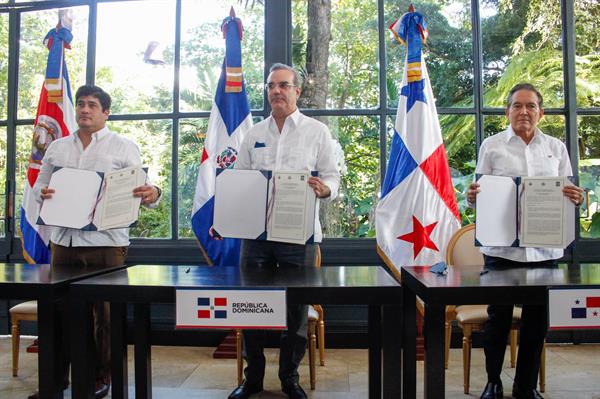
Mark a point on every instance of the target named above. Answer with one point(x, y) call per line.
point(572, 308)
point(227, 309)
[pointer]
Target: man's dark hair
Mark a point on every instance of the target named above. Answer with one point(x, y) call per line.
point(524, 86)
point(94, 91)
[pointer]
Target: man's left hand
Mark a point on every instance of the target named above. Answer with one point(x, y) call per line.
point(574, 193)
point(148, 193)
point(321, 189)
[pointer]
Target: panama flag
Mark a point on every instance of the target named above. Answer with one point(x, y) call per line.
point(417, 213)
point(229, 121)
point(55, 118)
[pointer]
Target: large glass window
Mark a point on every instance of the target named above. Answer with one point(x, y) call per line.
point(337, 47)
point(131, 63)
point(522, 43)
point(2, 181)
point(154, 139)
point(203, 48)
point(3, 65)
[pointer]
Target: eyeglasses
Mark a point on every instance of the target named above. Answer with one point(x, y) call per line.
point(280, 85)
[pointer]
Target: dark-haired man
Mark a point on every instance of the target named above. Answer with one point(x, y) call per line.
point(92, 147)
point(520, 150)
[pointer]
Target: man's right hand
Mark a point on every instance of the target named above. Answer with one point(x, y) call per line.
point(472, 192)
point(47, 193)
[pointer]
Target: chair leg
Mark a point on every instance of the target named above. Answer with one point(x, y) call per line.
point(238, 352)
point(448, 334)
point(513, 347)
point(466, 357)
point(16, 340)
point(312, 353)
point(321, 332)
point(543, 369)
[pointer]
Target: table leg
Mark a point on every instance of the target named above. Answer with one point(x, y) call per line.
point(118, 347)
point(82, 348)
point(143, 364)
point(409, 344)
point(434, 351)
point(49, 357)
point(374, 351)
point(392, 351)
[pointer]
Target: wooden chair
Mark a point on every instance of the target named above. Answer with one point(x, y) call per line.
point(316, 335)
point(461, 251)
point(24, 311)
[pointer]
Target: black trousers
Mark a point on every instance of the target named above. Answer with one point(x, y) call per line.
point(267, 254)
point(534, 325)
point(88, 258)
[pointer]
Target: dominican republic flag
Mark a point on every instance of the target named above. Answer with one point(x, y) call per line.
point(573, 308)
point(417, 213)
point(55, 118)
point(229, 121)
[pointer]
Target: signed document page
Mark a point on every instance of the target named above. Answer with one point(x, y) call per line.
point(291, 212)
point(496, 209)
point(543, 213)
point(72, 204)
point(117, 207)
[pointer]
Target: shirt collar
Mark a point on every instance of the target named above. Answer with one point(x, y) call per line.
point(510, 134)
point(99, 135)
point(294, 117)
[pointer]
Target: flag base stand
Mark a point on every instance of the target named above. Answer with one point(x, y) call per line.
point(227, 348)
point(33, 348)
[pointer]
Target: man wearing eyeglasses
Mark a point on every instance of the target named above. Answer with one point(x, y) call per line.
point(286, 140)
point(520, 150)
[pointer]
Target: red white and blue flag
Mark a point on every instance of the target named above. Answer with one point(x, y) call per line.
point(217, 310)
point(573, 308)
point(417, 213)
point(55, 118)
point(229, 121)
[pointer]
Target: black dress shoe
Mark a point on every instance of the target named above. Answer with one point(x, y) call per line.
point(101, 390)
point(492, 391)
point(245, 390)
point(294, 391)
point(519, 393)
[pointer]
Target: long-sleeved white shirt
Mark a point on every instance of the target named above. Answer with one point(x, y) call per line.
point(506, 154)
point(304, 144)
point(107, 151)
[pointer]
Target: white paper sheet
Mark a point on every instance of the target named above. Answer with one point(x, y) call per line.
point(72, 204)
point(240, 203)
point(291, 215)
point(496, 210)
point(117, 207)
point(542, 212)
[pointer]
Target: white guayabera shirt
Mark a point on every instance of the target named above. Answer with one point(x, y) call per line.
point(506, 154)
point(304, 144)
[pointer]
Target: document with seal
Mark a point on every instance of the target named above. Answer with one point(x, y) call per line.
point(264, 205)
point(291, 214)
point(523, 212)
point(90, 200)
point(544, 212)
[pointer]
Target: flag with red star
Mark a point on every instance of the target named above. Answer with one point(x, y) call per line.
point(577, 307)
point(417, 213)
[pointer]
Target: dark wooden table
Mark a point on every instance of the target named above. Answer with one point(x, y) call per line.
point(465, 285)
point(143, 285)
point(49, 286)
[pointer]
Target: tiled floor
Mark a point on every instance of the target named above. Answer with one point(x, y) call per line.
point(573, 372)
